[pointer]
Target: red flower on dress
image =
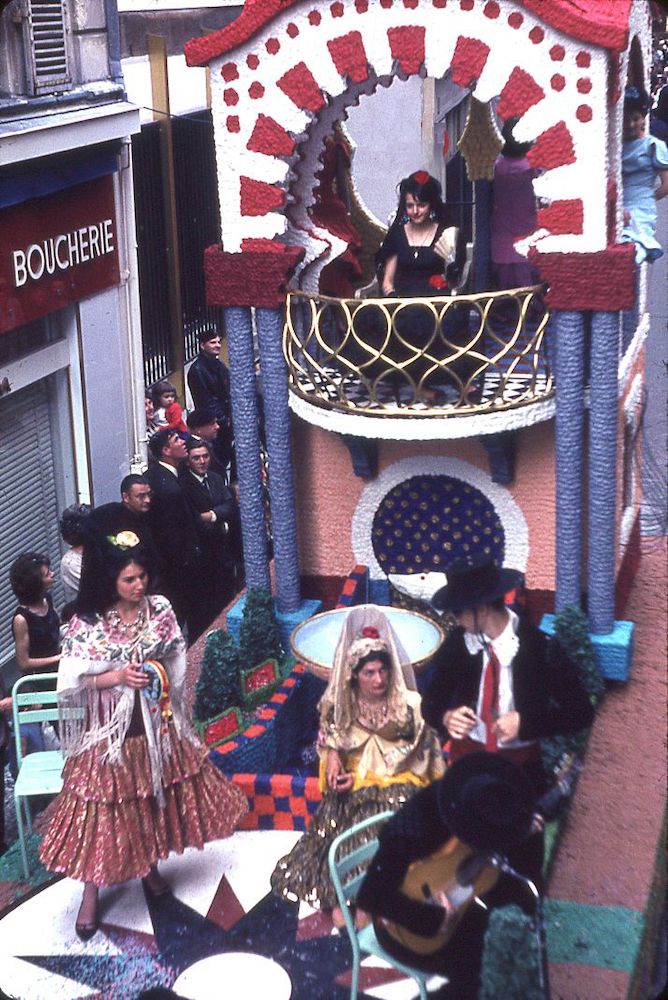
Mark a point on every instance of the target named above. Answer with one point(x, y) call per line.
point(370, 632)
point(421, 176)
point(438, 282)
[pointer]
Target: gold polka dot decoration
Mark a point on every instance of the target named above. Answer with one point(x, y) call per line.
point(426, 522)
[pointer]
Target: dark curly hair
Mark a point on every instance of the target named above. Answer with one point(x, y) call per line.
point(71, 522)
point(374, 654)
point(25, 576)
point(101, 566)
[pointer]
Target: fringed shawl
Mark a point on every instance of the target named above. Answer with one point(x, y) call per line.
point(100, 718)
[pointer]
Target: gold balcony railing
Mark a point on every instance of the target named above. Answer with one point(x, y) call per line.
point(400, 357)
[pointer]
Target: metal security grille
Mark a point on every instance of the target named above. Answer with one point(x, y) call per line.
point(198, 222)
point(198, 215)
point(48, 43)
point(28, 496)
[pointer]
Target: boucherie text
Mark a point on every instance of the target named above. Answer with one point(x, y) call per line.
point(58, 253)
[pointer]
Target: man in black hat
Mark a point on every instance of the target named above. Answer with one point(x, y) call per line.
point(209, 384)
point(487, 803)
point(499, 684)
point(203, 425)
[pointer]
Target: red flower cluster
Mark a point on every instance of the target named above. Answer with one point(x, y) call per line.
point(370, 632)
point(438, 282)
point(421, 176)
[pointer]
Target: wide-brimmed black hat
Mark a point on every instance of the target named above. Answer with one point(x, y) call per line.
point(486, 801)
point(474, 582)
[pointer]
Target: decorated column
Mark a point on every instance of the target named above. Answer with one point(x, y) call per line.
point(281, 484)
point(570, 422)
point(247, 444)
point(602, 471)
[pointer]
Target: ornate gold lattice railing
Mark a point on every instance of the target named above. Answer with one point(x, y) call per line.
point(397, 357)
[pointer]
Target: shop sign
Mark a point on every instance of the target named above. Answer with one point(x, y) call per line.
point(57, 250)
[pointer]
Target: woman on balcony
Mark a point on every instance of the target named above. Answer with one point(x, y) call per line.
point(374, 747)
point(644, 162)
point(421, 256)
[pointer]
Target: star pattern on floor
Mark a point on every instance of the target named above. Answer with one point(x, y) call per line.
point(219, 904)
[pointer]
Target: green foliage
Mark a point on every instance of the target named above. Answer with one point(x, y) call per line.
point(511, 957)
point(218, 683)
point(259, 638)
point(571, 630)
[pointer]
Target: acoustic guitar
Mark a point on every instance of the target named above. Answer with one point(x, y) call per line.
point(463, 873)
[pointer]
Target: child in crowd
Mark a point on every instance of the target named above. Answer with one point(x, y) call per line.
point(151, 425)
point(168, 413)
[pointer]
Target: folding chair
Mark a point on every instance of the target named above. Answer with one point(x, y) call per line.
point(39, 773)
point(347, 878)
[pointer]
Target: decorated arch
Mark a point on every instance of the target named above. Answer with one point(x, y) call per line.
point(286, 71)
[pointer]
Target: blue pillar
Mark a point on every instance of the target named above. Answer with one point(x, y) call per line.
point(569, 328)
point(247, 444)
point(602, 471)
point(277, 431)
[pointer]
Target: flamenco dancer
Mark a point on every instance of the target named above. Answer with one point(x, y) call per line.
point(137, 782)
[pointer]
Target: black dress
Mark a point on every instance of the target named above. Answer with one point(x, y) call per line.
point(420, 273)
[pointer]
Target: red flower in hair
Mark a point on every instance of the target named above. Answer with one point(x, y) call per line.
point(438, 282)
point(370, 632)
point(421, 176)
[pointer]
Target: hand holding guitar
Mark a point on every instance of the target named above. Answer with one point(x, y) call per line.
point(460, 721)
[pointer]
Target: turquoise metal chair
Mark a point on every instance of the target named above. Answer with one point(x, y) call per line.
point(347, 873)
point(39, 773)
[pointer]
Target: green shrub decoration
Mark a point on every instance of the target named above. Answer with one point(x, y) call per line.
point(511, 957)
point(259, 638)
point(218, 684)
point(571, 630)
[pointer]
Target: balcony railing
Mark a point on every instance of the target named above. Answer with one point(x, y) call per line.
point(446, 356)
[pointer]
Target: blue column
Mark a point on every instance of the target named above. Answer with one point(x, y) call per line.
point(602, 471)
point(569, 328)
point(277, 431)
point(247, 444)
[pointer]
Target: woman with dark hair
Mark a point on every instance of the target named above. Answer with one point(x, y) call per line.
point(374, 747)
point(421, 257)
point(644, 160)
point(421, 244)
point(36, 629)
point(137, 782)
point(72, 532)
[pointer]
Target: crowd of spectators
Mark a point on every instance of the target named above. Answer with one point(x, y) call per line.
point(185, 513)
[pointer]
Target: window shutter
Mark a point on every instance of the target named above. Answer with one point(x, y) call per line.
point(48, 44)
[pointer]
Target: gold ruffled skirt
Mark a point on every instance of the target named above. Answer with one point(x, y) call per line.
point(107, 825)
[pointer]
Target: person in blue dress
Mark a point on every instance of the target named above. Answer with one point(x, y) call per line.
point(644, 160)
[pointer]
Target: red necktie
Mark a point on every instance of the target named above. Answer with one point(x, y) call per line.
point(489, 712)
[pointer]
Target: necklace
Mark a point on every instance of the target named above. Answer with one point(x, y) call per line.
point(416, 247)
point(129, 630)
point(373, 714)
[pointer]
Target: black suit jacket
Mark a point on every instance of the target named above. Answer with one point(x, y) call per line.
point(172, 523)
point(112, 518)
point(546, 688)
point(221, 500)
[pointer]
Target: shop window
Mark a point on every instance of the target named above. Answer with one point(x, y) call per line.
point(30, 338)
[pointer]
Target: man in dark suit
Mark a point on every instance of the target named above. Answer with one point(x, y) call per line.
point(209, 384)
point(109, 519)
point(217, 516)
point(499, 684)
point(202, 424)
point(174, 527)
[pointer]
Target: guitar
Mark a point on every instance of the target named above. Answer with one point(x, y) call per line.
point(463, 874)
